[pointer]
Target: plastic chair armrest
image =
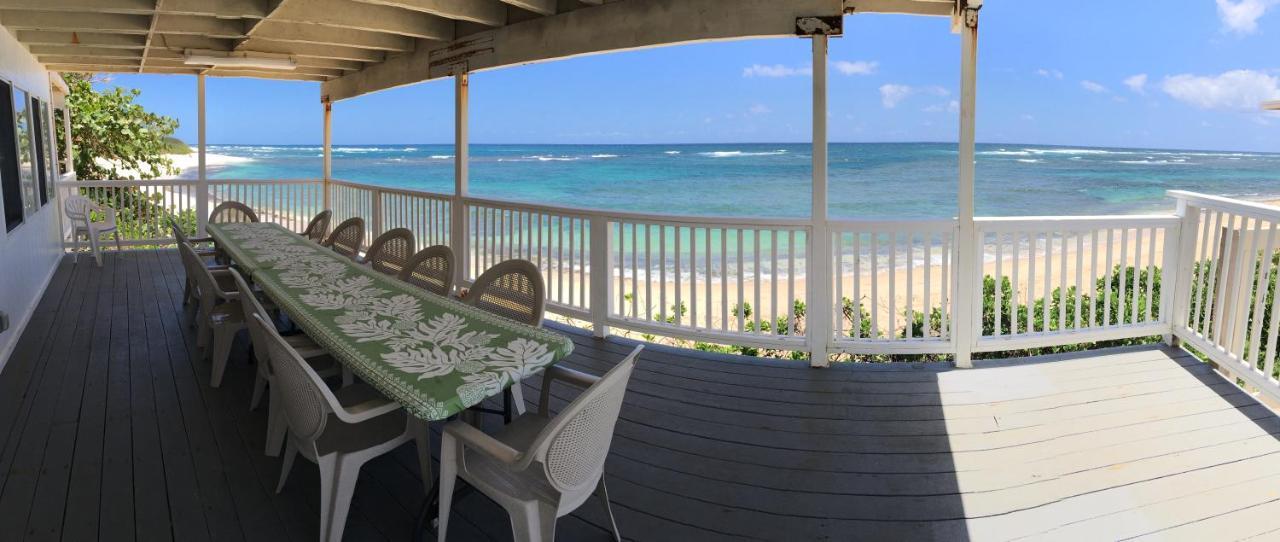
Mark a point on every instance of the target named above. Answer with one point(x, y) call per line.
point(473, 438)
point(367, 410)
point(563, 374)
point(229, 296)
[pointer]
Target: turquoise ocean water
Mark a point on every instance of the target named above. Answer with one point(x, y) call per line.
point(867, 180)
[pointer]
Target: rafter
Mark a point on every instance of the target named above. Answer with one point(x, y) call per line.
point(373, 18)
point(486, 12)
point(146, 47)
point(94, 39)
point(311, 50)
point(200, 26)
point(327, 35)
point(111, 23)
point(541, 7)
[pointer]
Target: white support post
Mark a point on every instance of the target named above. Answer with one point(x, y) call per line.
point(821, 308)
point(458, 210)
point(202, 180)
point(66, 136)
point(969, 265)
point(1176, 277)
point(601, 275)
point(328, 149)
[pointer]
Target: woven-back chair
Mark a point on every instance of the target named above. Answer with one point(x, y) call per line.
point(232, 211)
point(347, 238)
point(188, 293)
point(390, 252)
point(431, 269)
point(513, 289)
point(319, 226)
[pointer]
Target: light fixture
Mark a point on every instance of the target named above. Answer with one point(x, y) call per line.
point(220, 59)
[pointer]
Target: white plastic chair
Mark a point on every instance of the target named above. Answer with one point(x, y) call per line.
point(315, 355)
point(217, 321)
point(540, 468)
point(79, 211)
point(340, 431)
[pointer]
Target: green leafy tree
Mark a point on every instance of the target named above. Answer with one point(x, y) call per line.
point(112, 136)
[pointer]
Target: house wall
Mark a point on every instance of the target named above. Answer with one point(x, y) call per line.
point(30, 253)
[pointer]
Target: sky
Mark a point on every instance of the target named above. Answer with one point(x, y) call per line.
point(1185, 74)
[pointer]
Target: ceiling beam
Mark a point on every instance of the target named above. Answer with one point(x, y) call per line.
point(146, 47)
point(373, 18)
point(81, 50)
point(541, 7)
point(227, 9)
point(101, 68)
point(942, 8)
point(118, 41)
point(92, 60)
point(200, 26)
point(266, 74)
point(111, 23)
point(485, 12)
point(328, 35)
point(135, 7)
point(310, 50)
point(588, 31)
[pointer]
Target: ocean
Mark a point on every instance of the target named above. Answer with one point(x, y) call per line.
point(867, 180)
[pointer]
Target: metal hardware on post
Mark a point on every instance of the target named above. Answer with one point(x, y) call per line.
point(601, 275)
point(821, 308)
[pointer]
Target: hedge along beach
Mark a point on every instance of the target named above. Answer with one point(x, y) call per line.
point(867, 181)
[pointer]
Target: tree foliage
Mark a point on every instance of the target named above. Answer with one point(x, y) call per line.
point(113, 137)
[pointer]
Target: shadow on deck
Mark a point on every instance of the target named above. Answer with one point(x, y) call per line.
point(108, 430)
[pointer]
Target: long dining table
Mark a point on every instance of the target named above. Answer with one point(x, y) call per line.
point(434, 355)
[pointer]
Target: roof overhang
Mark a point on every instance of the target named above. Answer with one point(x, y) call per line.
point(355, 47)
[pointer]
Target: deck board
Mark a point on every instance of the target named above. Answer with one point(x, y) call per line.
point(109, 430)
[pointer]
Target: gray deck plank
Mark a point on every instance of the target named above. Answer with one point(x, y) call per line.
point(1109, 444)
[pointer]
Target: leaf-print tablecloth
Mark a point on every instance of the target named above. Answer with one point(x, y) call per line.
point(434, 355)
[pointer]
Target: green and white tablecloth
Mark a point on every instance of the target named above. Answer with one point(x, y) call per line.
point(434, 355)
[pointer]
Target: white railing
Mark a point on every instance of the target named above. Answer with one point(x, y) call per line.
point(143, 207)
point(1094, 275)
point(1047, 281)
point(1226, 295)
point(894, 285)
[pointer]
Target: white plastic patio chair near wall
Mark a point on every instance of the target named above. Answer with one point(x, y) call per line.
point(217, 321)
point(306, 348)
point(537, 467)
point(80, 211)
point(339, 430)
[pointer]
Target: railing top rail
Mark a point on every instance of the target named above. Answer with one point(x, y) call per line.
point(65, 181)
point(391, 190)
point(652, 218)
point(1073, 223)
point(1239, 207)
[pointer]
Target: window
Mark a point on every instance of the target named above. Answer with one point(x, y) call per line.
point(40, 129)
point(10, 179)
point(26, 156)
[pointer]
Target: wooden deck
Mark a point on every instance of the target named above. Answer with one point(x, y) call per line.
point(108, 430)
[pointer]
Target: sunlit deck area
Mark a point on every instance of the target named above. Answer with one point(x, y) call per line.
point(110, 431)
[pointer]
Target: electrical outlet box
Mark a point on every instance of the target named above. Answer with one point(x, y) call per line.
point(4, 321)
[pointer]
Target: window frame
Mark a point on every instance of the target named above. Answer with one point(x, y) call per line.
point(10, 189)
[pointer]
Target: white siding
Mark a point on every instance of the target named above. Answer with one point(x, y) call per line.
point(29, 253)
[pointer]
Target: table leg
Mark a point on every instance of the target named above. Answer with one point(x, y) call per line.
point(422, 439)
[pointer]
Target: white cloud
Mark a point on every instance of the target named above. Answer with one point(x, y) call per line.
point(776, 70)
point(860, 67)
point(759, 109)
point(1092, 86)
point(1241, 16)
point(1236, 89)
point(951, 107)
point(1027, 117)
point(891, 94)
point(1137, 83)
point(1055, 74)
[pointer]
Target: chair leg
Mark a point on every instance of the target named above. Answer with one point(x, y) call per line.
point(448, 477)
point(277, 427)
point(338, 474)
point(603, 492)
point(186, 292)
point(203, 330)
point(75, 246)
point(97, 250)
point(223, 336)
point(117, 236)
point(290, 453)
point(535, 522)
point(259, 386)
point(422, 440)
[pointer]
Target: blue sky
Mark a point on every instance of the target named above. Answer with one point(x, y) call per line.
point(1135, 73)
